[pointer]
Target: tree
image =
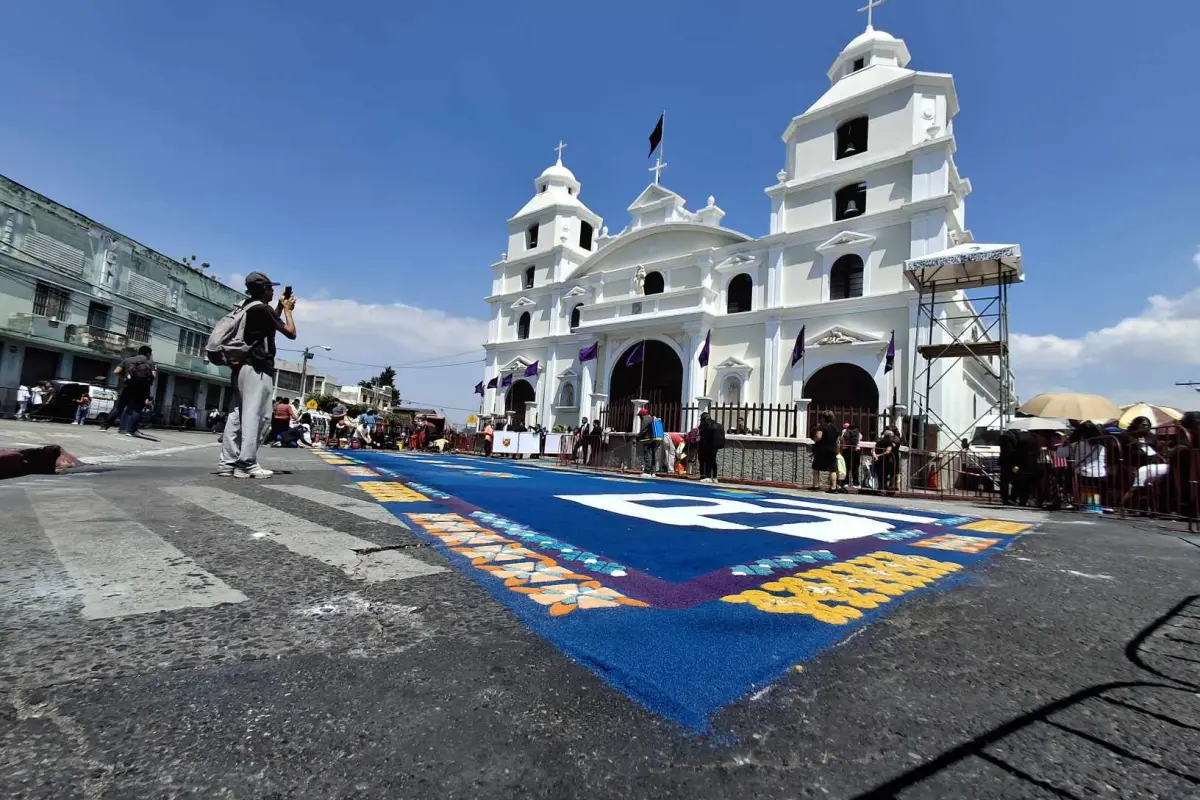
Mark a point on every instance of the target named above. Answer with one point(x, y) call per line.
point(325, 402)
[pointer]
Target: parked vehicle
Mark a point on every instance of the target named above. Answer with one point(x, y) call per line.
point(65, 400)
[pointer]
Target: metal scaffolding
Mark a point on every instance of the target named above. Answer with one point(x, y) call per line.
point(952, 328)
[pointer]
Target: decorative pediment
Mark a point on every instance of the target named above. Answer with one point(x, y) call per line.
point(732, 363)
point(737, 261)
point(518, 363)
point(523, 302)
point(838, 335)
point(653, 195)
point(575, 291)
point(568, 374)
point(846, 240)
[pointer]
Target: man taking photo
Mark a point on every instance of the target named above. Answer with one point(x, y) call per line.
point(253, 379)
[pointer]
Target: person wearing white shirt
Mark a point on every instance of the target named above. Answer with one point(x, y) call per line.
point(22, 402)
point(36, 398)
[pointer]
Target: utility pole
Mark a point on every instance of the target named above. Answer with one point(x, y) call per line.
point(305, 356)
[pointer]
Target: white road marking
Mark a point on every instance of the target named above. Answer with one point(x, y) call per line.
point(359, 508)
point(306, 538)
point(119, 566)
point(166, 451)
point(1098, 577)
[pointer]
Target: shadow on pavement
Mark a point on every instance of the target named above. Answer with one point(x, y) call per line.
point(1051, 748)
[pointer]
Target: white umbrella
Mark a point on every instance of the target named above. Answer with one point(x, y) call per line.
point(1038, 424)
point(965, 266)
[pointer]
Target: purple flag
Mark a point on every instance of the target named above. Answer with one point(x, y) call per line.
point(636, 354)
point(531, 370)
point(492, 383)
point(889, 362)
point(479, 388)
point(507, 382)
point(703, 359)
point(798, 348)
point(589, 353)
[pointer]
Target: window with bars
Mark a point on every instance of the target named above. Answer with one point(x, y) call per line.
point(137, 328)
point(51, 301)
point(288, 381)
point(846, 278)
point(98, 314)
point(192, 343)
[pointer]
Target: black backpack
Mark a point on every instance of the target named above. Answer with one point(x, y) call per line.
point(853, 437)
point(718, 436)
point(142, 372)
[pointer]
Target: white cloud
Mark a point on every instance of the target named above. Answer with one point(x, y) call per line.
point(1196, 257)
point(1139, 357)
point(391, 334)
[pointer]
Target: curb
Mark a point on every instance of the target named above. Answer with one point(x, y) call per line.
point(45, 460)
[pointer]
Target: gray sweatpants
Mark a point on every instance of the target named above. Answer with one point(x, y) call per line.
point(249, 418)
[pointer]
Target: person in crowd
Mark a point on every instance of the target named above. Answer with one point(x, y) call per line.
point(582, 445)
point(885, 459)
point(37, 398)
point(336, 416)
point(1183, 462)
point(298, 435)
point(82, 405)
point(1086, 451)
point(137, 374)
point(254, 378)
point(488, 432)
point(650, 435)
point(598, 440)
point(282, 417)
point(23, 396)
point(851, 439)
point(710, 439)
point(362, 433)
point(825, 452)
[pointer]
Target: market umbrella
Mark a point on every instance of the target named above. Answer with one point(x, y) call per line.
point(1158, 415)
point(1038, 424)
point(1071, 405)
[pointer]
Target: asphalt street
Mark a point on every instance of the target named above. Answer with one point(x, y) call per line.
point(293, 638)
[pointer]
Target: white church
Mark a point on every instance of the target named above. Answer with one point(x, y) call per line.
point(869, 181)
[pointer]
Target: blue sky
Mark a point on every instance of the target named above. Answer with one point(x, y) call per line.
point(369, 153)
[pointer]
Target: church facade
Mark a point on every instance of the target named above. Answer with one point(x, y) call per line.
point(869, 180)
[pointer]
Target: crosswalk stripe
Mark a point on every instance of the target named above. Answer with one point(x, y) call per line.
point(306, 538)
point(119, 566)
point(359, 508)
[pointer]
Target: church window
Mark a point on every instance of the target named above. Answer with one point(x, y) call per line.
point(654, 284)
point(529, 278)
point(741, 290)
point(531, 236)
point(731, 390)
point(523, 326)
point(850, 201)
point(846, 278)
point(585, 235)
point(575, 316)
point(859, 63)
point(570, 190)
point(851, 138)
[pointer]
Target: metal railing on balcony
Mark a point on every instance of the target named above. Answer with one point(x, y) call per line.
point(99, 339)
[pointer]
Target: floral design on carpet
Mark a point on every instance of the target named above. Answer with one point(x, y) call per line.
point(769, 566)
point(360, 472)
point(995, 526)
point(958, 543)
point(391, 492)
point(544, 580)
point(836, 594)
point(563, 551)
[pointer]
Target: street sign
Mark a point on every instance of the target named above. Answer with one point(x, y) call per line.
point(311, 405)
point(472, 419)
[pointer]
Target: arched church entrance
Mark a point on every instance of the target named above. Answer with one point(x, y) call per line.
point(520, 393)
point(657, 378)
point(849, 392)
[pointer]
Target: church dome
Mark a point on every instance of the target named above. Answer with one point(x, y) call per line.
point(558, 171)
point(870, 35)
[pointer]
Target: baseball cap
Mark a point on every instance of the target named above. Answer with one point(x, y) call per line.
point(642, 412)
point(258, 279)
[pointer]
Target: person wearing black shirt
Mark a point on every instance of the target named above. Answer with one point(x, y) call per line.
point(253, 379)
point(138, 373)
point(825, 451)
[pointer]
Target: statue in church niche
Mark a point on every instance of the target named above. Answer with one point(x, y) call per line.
point(639, 280)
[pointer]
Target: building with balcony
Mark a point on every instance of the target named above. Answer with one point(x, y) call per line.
point(288, 381)
point(76, 298)
point(366, 396)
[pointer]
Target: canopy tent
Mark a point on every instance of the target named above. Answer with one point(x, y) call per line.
point(967, 266)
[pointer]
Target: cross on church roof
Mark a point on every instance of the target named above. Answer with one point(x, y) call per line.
point(657, 169)
point(870, 9)
point(560, 148)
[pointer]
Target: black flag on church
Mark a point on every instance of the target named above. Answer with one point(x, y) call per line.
point(656, 136)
